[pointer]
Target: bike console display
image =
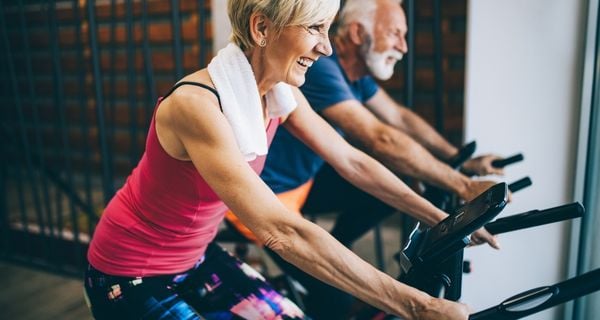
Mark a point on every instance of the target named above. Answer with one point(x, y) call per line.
point(451, 234)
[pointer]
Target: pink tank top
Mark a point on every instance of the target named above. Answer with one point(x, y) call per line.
point(163, 218)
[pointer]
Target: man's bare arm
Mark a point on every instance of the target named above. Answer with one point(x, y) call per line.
point(400, 117)
point(399, 152)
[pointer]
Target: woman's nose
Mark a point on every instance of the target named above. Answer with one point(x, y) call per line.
point(324, 46)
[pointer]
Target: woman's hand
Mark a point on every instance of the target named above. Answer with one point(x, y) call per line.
point(441, 309)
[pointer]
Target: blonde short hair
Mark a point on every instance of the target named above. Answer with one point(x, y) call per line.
point(282, 13)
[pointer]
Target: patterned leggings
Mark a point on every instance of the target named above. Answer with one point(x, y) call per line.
point(221, 287)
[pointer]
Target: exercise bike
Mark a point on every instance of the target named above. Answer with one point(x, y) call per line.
point(429, 261)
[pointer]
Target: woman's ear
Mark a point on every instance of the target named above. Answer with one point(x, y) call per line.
point(258, 28)
point(357, 33)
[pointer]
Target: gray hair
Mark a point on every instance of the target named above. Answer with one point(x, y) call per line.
point(361, 11)
point(281, 12)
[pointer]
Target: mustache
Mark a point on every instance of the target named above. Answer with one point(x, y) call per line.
point(395, 54)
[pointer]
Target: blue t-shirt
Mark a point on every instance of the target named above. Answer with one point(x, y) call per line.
point(290, 163)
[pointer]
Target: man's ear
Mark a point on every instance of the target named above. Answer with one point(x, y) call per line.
point(258, 27)
point(357, 33)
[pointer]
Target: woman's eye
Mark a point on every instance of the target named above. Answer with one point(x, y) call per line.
point(315, 29)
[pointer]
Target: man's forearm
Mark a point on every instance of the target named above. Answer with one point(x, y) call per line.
point(425, 134)
point(404, 156)
point(402, 118)
point(377, 180)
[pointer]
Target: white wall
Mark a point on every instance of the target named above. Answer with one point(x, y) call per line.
point(221, 25)
point(522, 94)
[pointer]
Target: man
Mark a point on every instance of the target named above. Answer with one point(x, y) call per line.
point(368, 43)
point(370, 39)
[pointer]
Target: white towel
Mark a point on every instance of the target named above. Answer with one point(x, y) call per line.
point(232, 75)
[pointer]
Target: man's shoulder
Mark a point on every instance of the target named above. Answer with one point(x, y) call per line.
point(325, 67)
point(331, 61)
point(326, 84)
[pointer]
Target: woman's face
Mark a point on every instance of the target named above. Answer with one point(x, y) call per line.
point(295, 50)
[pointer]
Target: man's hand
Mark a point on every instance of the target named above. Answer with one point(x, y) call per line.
point(482, 166)
point(475, 188)
point(481, 235)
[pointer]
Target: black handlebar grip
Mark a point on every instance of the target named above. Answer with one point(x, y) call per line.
point(463, 154)
point(538, 299)
point(501, 163)
point(536, 218)
point(519, 184)
point(494, 313)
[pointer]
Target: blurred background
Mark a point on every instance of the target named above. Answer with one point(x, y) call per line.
point(79, 81)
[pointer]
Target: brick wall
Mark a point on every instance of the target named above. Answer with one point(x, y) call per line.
point(453, 34)
point(62, 78)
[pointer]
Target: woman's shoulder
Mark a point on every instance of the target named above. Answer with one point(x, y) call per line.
point(192, 92)
point(197, 86)
point(192, 105)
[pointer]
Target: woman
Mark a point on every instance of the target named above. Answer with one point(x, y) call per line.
point(152, 257)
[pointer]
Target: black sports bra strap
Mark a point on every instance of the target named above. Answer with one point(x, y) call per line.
point(198, 84)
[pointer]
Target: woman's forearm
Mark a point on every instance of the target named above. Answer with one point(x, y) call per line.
point(315, 251)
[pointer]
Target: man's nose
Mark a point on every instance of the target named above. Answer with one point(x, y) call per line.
point(401, 45)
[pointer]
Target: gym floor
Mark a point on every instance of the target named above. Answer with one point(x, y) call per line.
point(31, 294)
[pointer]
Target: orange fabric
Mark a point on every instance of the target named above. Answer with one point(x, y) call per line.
point(293, 200)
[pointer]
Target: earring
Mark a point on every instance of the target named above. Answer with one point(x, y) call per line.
point(262, 42)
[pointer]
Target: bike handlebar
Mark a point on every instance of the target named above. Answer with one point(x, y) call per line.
point(536, 218)
point(519, 184)
point(463, 154)
point(535, 300)
point(501, 163)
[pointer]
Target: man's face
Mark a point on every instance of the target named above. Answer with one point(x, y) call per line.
point(385, 44)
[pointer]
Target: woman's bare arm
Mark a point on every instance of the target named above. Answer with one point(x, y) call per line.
point(206, 137)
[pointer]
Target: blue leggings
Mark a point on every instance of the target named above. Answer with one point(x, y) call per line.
point(221, 287)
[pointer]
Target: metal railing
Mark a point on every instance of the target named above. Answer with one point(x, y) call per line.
point(79, 83)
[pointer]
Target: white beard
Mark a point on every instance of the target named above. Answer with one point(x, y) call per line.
point(377, 62)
